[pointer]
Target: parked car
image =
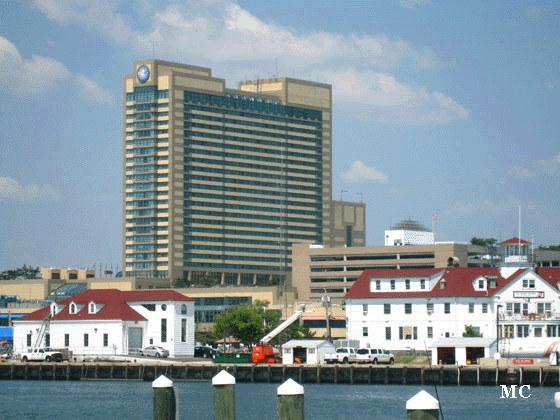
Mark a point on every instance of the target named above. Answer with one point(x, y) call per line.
point(154, 351)
point(205, 352)
point(375, 356)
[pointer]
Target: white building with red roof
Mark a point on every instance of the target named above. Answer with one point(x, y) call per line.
point(411, 309)
point(111, 322)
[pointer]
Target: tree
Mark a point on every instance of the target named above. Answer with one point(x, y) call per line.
point(550, 247)
point(247, 323)
point(470, 332)
point(182, 282)
point(483, 241)
point(22, 272)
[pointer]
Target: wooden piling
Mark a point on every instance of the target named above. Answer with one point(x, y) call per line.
point(422, 407)
point(224, 396)
point(290, 401)
point(165, 403)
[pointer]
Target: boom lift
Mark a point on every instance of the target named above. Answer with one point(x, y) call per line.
point(263, 352)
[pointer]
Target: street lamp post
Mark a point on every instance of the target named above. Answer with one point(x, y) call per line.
point(498, 328)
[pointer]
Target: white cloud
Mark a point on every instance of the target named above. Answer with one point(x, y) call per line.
point(519, 172)
point(550, 166)
point(533, 12)
point(407, 4)
point(42, 74)
point(92, 92)
point(23, 76)
point(383, 98)
point(360, 172)
point(10, 189)
point(221, 31)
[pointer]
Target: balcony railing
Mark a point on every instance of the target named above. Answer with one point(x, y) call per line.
point(529, 316)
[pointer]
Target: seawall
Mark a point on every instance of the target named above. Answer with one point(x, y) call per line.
point(277, 373)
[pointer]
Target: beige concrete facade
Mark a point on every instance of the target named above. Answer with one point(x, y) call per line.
point(317, 271)
point(220, 181)
point(66, 273)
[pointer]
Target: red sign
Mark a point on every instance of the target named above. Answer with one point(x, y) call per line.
point(523, 361)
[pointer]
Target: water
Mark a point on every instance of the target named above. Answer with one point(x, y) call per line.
point(100, 400)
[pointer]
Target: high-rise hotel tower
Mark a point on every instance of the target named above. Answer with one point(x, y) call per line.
point(221, 182)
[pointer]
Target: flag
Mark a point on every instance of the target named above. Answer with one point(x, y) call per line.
point(435, 216)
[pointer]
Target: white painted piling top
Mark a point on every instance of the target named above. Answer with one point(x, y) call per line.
point(162, 382)
point(557, 400)
point(223, 378)
point(422, 401)
point(290, 387)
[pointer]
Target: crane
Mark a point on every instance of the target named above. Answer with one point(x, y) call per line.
point(263, 352)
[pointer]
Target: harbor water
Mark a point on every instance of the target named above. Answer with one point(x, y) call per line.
point(101, 400)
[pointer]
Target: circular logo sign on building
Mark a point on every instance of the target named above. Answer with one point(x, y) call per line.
point(143, 74)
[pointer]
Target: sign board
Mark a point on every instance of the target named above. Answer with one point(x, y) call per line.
point(528, 294)
point(523, 361)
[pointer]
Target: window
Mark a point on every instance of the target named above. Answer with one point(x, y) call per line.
point(522, 331)
point(481, 284)
point(407, 284)
point(538, 332)
point(528, 283)
point(447, 308)
point(509, 306)
point(183, 330)
point(66, 340)
point(517, 308)
point(471, 308)
point(407, 333)
point(484, 308)
point(422, 284)
point(149, 306)
point(430, 308)
point(408, 308)
point(105, 340)
point(92, 308)
point(164, 307)
point(183, 309)
point(86, 340)
point(430, 332)
point(387, 333)
point(28, 340)
point(392, 284)
point(377, 284)
point(47, 340)
point(364, 309)
point(73, 308)
point(163, 330)
point(387, 308)
point(551, 331)
point(364, 331)
point(508, 331)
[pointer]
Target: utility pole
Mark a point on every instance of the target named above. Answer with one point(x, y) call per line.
point(327, 303)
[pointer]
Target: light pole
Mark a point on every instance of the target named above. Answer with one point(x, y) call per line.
point(327, 302)
point(498, 328)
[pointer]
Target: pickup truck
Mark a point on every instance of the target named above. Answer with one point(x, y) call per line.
point(41, 354)
point(342, 355)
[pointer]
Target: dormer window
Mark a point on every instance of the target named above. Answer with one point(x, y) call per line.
point(54, 309)
point(528, 283)
point(91, 308)
point(442, 283)
point(73, 308)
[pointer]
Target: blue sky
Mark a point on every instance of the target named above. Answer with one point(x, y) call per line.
point(439, 107)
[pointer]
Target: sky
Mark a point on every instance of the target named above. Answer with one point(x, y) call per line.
point(440, 108)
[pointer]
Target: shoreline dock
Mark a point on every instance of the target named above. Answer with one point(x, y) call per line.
point(277, 373)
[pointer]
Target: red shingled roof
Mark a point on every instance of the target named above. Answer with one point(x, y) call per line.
point(458, 282)
point(515, 241)
point(112, 301)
